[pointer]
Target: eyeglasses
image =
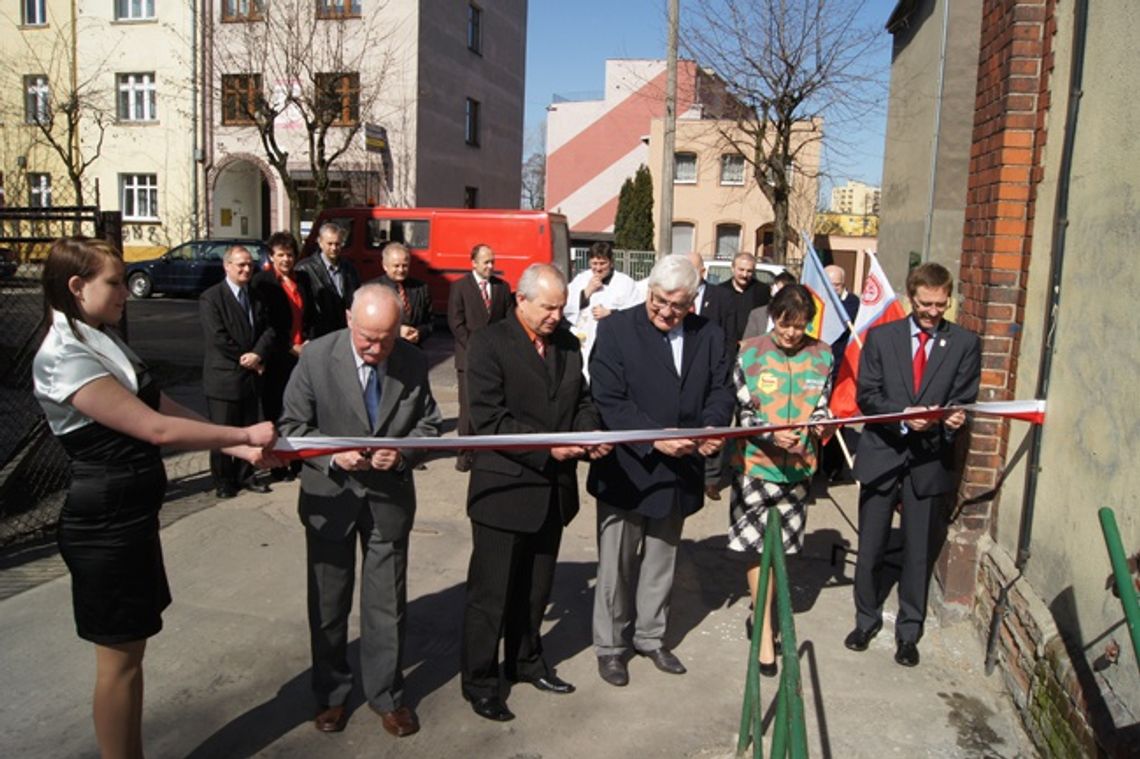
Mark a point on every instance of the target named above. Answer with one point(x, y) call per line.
point(662, 304)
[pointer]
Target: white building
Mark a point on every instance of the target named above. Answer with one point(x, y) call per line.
point(855, 198)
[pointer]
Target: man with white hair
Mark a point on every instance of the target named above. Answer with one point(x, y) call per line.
point(653, 367)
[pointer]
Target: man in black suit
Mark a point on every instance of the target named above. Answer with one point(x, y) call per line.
point(654, 366)
point(718, 306)
point(746, 293)
point(525, 376)
point(415, 298)
point(472, 303)
point(238, 340)
point(331, 282)
point(918, 362)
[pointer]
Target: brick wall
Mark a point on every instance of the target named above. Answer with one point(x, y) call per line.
point(1012, 99)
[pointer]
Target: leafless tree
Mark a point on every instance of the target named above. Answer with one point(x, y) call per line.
point(794, 65)
point(312, 80)
point(59, 109)
point(534, 168)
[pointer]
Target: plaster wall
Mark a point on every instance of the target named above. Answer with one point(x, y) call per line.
point(911, 113)
point(449, 73)
point(1092, 433)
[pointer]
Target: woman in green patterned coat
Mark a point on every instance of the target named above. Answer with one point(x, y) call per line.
point(782, 377)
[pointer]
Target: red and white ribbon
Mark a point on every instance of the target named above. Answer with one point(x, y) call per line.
point(307, 447)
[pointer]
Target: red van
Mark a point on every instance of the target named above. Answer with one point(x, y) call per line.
point(440, 240)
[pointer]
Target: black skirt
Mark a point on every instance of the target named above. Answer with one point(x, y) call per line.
point(108, 537)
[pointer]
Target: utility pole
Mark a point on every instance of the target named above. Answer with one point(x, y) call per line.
point(665, 226)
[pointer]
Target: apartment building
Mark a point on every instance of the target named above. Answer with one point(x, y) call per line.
point(855, 198)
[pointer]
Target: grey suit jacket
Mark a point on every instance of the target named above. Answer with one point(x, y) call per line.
point(324, 398)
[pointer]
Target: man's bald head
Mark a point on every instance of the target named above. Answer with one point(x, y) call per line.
point(837, 277)
point(698, 262)
point(374, 322)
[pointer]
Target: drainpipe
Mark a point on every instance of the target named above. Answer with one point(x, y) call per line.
point(928, 232)
point(1045, 367)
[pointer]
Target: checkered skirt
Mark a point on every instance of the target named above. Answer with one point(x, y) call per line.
point(748, 513)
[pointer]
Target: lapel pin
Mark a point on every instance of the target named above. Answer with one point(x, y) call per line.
point(942, 343)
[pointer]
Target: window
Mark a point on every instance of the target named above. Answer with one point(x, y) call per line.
point(475, 28)
point(338, 8)
point(138, 196)
point(411, 232)
point(39, 190)
point(685, 168)
point(682, 237)
point(732, 169)
point(470, 197)
point(243, 10)
point(134, 10)
point(727, 240)
point(37, 99)
point(241, 94)
point(338, 98)
point(33, 12)
point(471, 123)
point(137, 97)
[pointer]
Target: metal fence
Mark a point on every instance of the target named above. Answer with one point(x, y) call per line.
point(635, 263)
point(33, 467)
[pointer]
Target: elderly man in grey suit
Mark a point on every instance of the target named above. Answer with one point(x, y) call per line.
point(360, 382)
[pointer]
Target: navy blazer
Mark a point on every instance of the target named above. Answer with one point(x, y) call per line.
point(886, 386)
point(635, 386)
point(228, 334)
point(514, 391)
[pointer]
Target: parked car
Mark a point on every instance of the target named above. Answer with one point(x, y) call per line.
point(187, 269)
point(440, 241)
point(720, 270)
point(8, 263)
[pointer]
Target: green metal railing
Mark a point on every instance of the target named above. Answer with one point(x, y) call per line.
point(1125, 586)
point(789, 731)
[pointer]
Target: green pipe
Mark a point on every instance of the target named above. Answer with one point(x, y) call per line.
point(1124, 584)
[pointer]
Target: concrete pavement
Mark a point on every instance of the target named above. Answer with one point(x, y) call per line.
point(228, 676)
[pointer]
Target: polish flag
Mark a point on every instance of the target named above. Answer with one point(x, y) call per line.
point(878, 305)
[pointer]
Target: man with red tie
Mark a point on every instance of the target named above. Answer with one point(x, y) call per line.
point(919, 362)
point(474, 302)
point(415, 298)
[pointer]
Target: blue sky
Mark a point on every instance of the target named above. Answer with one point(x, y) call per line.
point(568, 43)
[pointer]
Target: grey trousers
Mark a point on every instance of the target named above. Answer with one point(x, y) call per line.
point(636, 559)
point(383, 600)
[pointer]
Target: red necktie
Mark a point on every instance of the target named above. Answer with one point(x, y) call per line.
point(920, 359)
point(485, 286)
point(540, 346)
point(404, 298)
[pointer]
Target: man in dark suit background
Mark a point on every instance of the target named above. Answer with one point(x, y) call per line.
point(654, 366)
point(919, 362)
point(360, 382)
point(331, 282)
point(238, 340)
point(472, 303)
point(415, 298)
point(525, 376)
point(746, 293)
point(718, 306)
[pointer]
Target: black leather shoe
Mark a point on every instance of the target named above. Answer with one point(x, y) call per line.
point(226, 493)
point(858, 640)
point(769, 669)
point(493, 709)
point(613, 670)
point(907, 653)
point(254, 486)
point(551, 684)
point(665, 660)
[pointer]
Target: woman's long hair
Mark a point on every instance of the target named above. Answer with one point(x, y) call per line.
point(82, 257)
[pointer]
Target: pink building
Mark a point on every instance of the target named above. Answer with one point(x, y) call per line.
point(593, 146)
